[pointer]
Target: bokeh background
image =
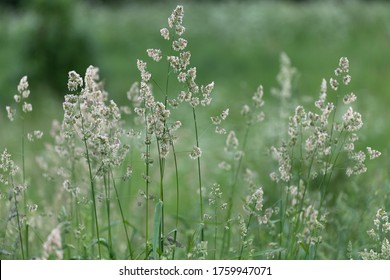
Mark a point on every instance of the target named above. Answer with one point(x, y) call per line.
point(237, 44)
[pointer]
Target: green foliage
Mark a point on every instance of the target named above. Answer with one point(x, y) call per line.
point(54, 44)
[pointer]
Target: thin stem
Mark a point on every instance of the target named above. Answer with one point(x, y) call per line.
point(122, 215)
point(92, 184)
point(215, 229)
point(199, 178)
point(108, 210)
point(18, 220)
point(177, 200)
point(162, 168)
point(147, 183)
point(26, 232)
point(227, 233)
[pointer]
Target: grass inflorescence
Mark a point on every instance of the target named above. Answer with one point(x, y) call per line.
point(143, 180)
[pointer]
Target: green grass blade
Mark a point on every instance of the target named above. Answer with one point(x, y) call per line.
point(157, 229)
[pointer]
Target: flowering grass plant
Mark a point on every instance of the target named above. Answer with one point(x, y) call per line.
point(138, 181)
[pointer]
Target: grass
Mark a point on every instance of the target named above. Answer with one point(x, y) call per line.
point(175, 207)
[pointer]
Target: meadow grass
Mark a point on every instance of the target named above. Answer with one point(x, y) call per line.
point(180, 171)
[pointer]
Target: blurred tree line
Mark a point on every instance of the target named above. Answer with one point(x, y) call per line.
point(54, 44)
point(19, 3)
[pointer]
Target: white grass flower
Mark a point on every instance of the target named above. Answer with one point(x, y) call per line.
point(225, 114)
point(347, 79)
point(53, 245)
point(373, 153)
point(32, 207)
point(349, 98)
point(179, 45)
point(216, 120)
point(145, 75)
point(7, 164)
point(344, 64)
point(154, 54)
point(180, 29)
point(220, 130)
point(224, 165)
point(10, 113)
point(74, 81)
point(195, 153)
point(334, 84)
point(258, 97)
point(231, 141)
point(184, 59)
point(245, 110)
point(17, 98)
point(174, 61)
point(352, 121)
point(257, 197)
point(27, 107)
point(194, 101)
point(23, 87)
point(165, 33)
point(182, 77)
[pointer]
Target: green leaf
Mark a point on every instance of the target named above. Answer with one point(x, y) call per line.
point(304, 247)
point(157, 229)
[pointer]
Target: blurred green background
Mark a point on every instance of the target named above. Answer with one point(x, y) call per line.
point(235, 43)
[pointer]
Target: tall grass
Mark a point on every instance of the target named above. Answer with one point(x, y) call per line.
point(152, 179)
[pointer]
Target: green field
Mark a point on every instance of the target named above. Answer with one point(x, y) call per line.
point(172, 207)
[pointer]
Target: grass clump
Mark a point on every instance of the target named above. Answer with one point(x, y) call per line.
point(139, 181)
